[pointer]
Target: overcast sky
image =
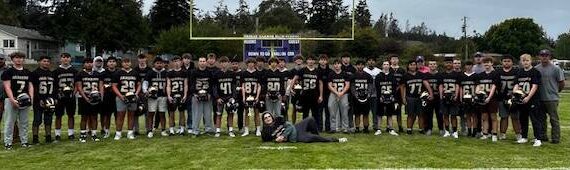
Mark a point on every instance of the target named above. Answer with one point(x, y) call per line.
point(445, 15)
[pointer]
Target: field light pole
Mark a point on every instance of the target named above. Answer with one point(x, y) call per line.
point(464, 29)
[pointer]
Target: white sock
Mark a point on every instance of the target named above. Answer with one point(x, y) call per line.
point(83, 131)
point(246, 129)
point(182, 128)
point(93, 133)
point(57, 132)
point(231, 129)
point(118, 133)
point(70, 132)
point(106, 130)
point(171, 129)
point(130, 132)
point(218, 130)
point(258, 128)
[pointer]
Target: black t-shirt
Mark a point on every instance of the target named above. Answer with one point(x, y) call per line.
point(468, 83)
point(309, 79)
point(273, 81)
point(250, 82)
point(349, 69)
point(158, 79)
point(142, 72)
point(449, 80)
point(526, 78)
point(237, 74)
point(487, 80)
point(414, 84)
point(398, 75)
point(89, 80)
point(65, 77)
point(18, 80)
point(507, 83)
point(177, 81)
point(434, 81)
point(126, 81)
point(226, 82)
point(386, 82)
point(107, 76)
point(361, 80)
point(286, 76)
point(324, 74)
point(201, 80)
point(44, 83)
point(338, 80)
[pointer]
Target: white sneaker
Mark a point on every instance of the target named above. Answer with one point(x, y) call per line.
point(106, 135)
point(393, 133)
point(171, 130)
point(519, 136)
point(245, 133)
point(257, 132)
point(164, 133)
point(232, 134)
point(378, 132)
point(502, 136)
point(217, 135)
point(190, 131)
point(483, 137)
point(150, 135)
point(342, 140)
point(537, 143)
point(82, 140)
point(446, 134)
point(494, 138)
point(118, 136)
point(131, 135)
point(455, 135)
point(522, 140)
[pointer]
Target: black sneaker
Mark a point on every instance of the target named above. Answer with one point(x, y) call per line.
point(401, 130)
point(48, 139)
point(35, 140)
point(422, 132)
point(8, 147)
point(95, 138)
point(409, 131)
point(25, 145)
point(57, 138)
point(71, 137)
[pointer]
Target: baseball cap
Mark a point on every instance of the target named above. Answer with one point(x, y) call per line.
point(420, 59)
point(544, 52)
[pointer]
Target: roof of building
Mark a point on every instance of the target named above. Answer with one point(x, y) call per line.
point(24, 33)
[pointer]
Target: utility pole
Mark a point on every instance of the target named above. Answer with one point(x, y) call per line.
point(464, 29)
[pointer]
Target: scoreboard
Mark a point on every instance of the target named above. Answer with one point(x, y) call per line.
point(287, 49)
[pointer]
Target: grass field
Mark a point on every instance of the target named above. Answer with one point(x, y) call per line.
point(361, 151)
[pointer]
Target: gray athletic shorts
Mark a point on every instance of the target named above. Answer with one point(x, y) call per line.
point(505, 111)
point(122, 107)
point(157, 104)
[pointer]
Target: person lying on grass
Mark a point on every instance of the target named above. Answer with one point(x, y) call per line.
point(278, 130)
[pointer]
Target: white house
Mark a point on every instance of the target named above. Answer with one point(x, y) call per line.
point(29, 42)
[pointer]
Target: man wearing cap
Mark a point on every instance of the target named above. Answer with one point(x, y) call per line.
point(552, 84)
point(422, 68)
point(478, 60)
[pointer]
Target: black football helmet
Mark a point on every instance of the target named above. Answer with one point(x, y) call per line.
point(66, 92)
point(250, 101)
point(48, 105)
point(273, 95)
point(387, 97)
point(95, 97)
point(298, 89)
point(130, 97)
point(517, 98)
point(361, 95)
point(424, 98)
point(153, 92)
point(24, 100)
point(202, 95)
point(448, 97)
point(467, 99)
point(177, 100)
point(480, 97)
point(232, 105)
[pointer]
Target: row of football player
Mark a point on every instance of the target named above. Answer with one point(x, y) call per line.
point(126, 85)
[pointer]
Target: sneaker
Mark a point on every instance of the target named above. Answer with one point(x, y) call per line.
point(181, 132)
point(71, 137)
point(118, 136)
point(518, 137)
point(409, 131)
point(537, 143)
point(163, 133)
point(522, 140)
point(494, 138)
point(378, 132)
point(106, 134)
point(95, 138)
point(446, 134)
point(190, 131)
point(245, 133)
point(502, 136)
point(441, 132)
point(232, 134)
point(48, 139)
point(26, 145)
point(455, 135)
point(428, 132)
point(217, 134)
point(8, 147)
point(150, 134)
point(258, 132)
point(82, 138)
point(393, 132)
point(401, 130)
point(131, 136)
point(342, 140)
point(483, 137)
point(57, 138)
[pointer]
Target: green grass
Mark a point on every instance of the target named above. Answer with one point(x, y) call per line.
point(362, 151)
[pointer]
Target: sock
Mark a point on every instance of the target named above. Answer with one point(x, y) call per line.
point(171, 129)
point(83, 132)
point(258, 128)
point(70, 132)
point(118, 133)
point(106, 130)
point(182, 128)
point(93, 133)
point(246, 129)
point(218, 130)
point(130, 132)
point(57, 132)
point(231, 129)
